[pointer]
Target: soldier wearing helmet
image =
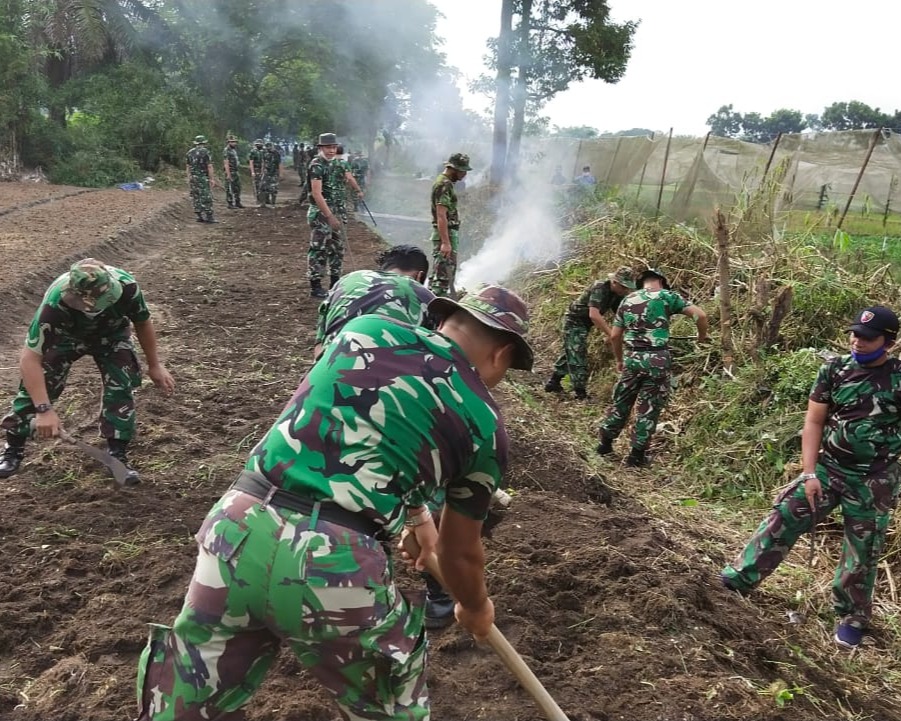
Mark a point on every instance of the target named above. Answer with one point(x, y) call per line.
point(640, 341)
point(201, 179)
point(446, 225)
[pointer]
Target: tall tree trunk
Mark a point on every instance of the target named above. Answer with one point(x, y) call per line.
point(502, 94)
point(520, 89)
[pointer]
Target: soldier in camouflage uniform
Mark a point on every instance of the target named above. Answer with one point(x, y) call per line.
point(850, 448)
point(326, 215)
point(255, 163)
point(588, 309)
point(271, 173)
point(446, 225)
point(359, 166)
point(297, 551)
point(231, 163)
point(201, 179)
point(641, 325)
point(87, 311)
point(395, 291)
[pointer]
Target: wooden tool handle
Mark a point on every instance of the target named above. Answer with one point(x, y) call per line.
point(502, 647)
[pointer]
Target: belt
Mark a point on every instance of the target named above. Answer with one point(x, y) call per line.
point(259, 487)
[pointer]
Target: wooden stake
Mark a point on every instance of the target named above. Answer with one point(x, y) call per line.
point(722, 262)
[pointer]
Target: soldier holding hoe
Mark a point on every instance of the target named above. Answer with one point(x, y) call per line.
point(295, 552)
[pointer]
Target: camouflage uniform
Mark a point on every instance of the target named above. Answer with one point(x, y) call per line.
point(233, 184)
point(62, 335)
point(576, 325)
point(359, 166)
point(256, 160)
point(858, 470)
point(386, 417)
point(326, 244)
point(646, 378)
point(444, 270)
point(198, 161)
point(272, 161)
point(371, 292)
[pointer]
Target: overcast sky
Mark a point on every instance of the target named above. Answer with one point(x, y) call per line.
point(691, 57)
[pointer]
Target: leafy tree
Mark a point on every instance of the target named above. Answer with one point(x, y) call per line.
point(585, 132)
point(784, 121)
point(725, 122)
point(854, 115)
point(813, 121)
point(554, 43)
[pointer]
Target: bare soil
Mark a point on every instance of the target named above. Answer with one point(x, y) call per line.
point(617, 614)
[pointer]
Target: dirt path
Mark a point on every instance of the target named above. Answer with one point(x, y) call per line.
point(619, 617)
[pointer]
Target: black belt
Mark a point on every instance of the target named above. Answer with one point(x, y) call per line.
point(255, 485)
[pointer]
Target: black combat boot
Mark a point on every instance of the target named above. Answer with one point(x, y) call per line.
point(332, 280)
point(238, 204)
point(316, 289)
point(553, 385)
point(231, 206)
point(581, 394)
point(209, 218)
point(605, 447)
point(118, 449)
point(13, 453)
point(200, 218)
point(439, 606)
point(637, 458)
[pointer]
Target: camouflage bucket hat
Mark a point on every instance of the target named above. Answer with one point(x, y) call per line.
point(91, 287)
point(231, 139)
point(328, 139)
point(458, 161)
point(497, 308)
point(258, 141)
point(653, 273)
point(199, 139)
point(623, 276)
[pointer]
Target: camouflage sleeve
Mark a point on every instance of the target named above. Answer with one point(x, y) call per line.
point(619, 320)
point(821, 392)
point(443, 194)
point(43, 332)
point(317, 171)
point(135, 308)
point(599, 296)
point(675, 303)
point(471, 495)
point(425, 297)
point(321, 320)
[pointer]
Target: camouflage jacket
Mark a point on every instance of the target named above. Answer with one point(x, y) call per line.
point(371, 292)
point(54, 322)
point(644, 317)
point(322, 169)
point(598, 295)
point(443, 193)
point(272, 160)
point(388, 416)
point(256, 157)
point(862, 436)
point(197, 159)
point(231, 155)
point(359, 167)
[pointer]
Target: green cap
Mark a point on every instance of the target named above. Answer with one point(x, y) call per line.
point(498, 308)
point(199, 139)
point(91, 287)
point(623, 276)
point(458, 161)
point(258, 141)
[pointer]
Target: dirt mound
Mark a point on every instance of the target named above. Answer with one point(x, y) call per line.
point(617, 614)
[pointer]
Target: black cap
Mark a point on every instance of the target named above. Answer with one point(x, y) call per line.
point(652, 273)
point(874, 322)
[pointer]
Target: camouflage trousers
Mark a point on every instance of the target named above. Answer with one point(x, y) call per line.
point(119, 371)
point(201, 194)
point(257, 178)
point(444, 270)
point(646, 384)
point(326, 254)
point(233, 189)
point(866, 504)
point(268, 189)
point(265, 576)
point(574, 358)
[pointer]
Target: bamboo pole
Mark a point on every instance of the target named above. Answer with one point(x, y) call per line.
point(576, 162)
point(863, 167)
point(722, 262)
point(769, 160)
point(663, 175)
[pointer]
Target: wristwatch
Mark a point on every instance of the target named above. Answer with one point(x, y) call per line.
point(42, 407)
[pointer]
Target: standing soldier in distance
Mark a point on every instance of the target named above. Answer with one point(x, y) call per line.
point(446, 225)
point(587, 310)
point(271, 174)
point(642, 325)
point(231, 163)
point(360, 168)
point(201, 179)
point(255, 163)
